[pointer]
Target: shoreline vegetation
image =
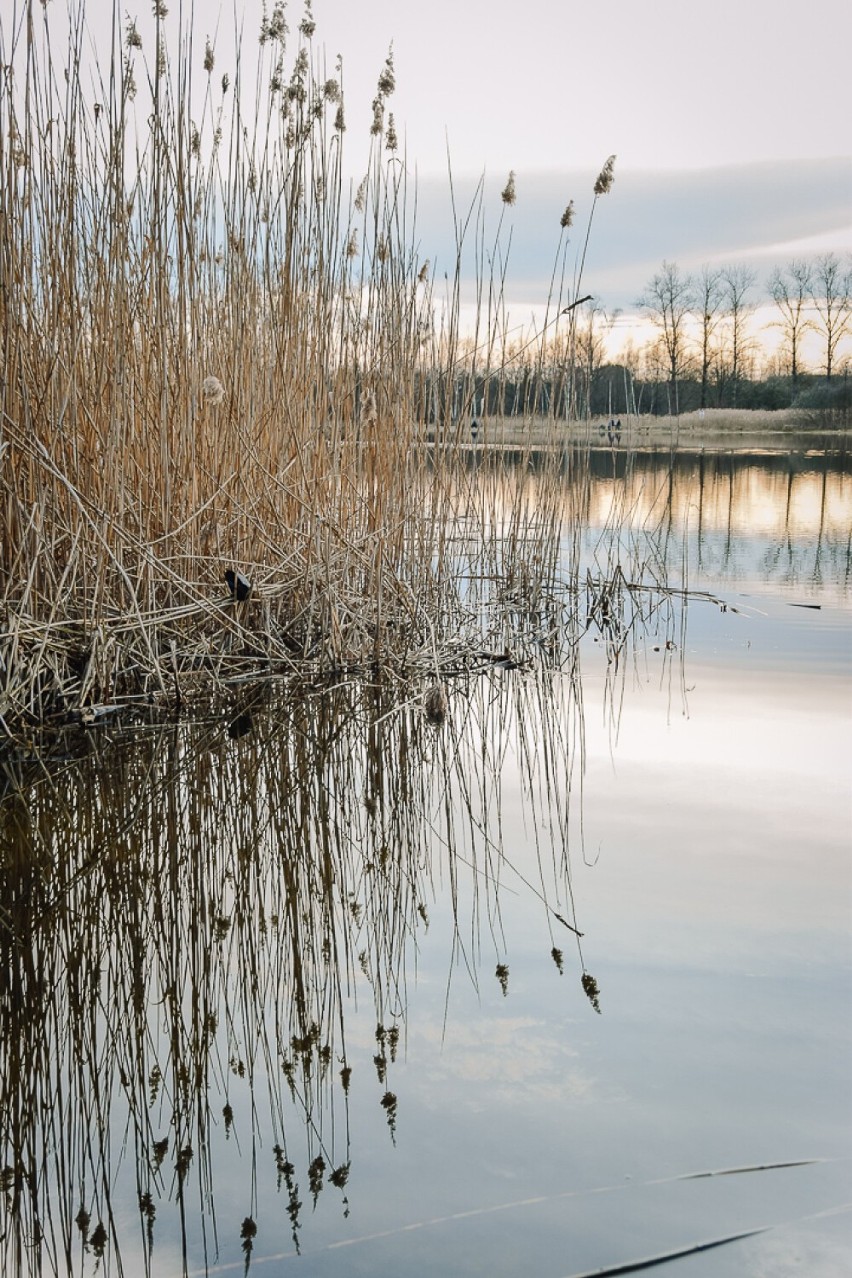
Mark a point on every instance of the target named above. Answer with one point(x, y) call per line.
point(710, 429)
point(213, 348)
point(219, 361)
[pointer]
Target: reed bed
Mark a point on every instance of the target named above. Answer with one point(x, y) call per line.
point(220, 359)
point(730, 421)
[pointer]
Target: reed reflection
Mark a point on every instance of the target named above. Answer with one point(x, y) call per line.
point(188, 913)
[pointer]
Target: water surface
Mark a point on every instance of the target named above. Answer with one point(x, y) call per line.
point(301, 988)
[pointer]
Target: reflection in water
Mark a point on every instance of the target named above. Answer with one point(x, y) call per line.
point(187, 915)
point(734, 517)
point(689, 517)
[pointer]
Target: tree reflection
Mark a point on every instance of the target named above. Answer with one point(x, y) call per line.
point(729, 515)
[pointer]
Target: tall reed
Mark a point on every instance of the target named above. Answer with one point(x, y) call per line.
point(216, 357)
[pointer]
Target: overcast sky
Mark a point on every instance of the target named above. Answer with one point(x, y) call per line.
point(561, 84)
point(730, 121)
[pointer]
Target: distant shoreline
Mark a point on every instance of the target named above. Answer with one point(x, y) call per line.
point(715, 428)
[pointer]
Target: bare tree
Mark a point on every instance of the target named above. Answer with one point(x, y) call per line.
point(655, 370)
point(708, 305)
point(593, 328)
point(791, 288)
point(631, 361)
point(667, 301)
point(737, 281)
point(832, 285)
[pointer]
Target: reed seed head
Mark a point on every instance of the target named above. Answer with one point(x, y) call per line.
point(307, 26)
point(391, 140)
point(605, 178)
point(208, 57)
point(19, 155)
point(590, 985)
point(275, 26)
point(369, 411)
point(212, 390)
point(507, 195)
point(567, 218)
point(436, 704)
point(98, 1240)
point(133, 39)
point(387, 79)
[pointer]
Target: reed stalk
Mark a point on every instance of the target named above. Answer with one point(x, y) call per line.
point(217, 357)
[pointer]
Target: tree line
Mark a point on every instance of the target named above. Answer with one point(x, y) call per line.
point(705, 353)
point(703, 338)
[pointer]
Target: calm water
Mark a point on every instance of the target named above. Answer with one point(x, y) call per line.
point(300, 989)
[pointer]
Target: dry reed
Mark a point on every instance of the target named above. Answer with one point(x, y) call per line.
point(216, 359)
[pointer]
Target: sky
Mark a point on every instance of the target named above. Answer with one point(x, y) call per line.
point(730, 122)
point(547, 85)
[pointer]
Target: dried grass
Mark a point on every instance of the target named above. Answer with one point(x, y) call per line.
point(216, 360)
point(197, 377)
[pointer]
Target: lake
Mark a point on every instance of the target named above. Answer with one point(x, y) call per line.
point(558, 982)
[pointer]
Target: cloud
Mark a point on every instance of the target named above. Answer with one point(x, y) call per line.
point(731, 213)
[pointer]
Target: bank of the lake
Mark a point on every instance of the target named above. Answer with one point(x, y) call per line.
point(713, 429)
